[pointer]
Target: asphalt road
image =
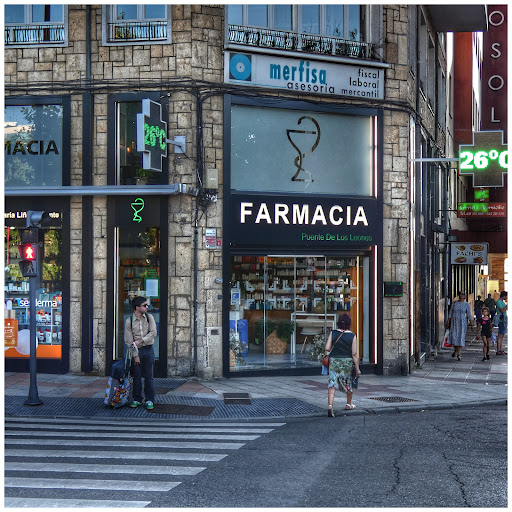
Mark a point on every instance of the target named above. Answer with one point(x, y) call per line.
point(450, 458)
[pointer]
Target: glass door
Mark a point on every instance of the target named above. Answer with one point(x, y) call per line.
point(283, 307)
point(138, 273)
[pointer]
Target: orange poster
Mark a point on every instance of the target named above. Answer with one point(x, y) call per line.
point(10, 332)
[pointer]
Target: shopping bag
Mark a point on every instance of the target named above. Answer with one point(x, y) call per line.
point(494, 338)
point(446, 339)
point(118, 392)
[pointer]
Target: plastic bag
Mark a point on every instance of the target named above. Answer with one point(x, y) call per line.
point(494, 338)
point(446, 339)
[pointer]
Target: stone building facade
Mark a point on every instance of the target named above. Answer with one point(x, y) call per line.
point(100, 65)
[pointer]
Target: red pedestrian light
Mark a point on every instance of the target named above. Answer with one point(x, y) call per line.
point(28, 252)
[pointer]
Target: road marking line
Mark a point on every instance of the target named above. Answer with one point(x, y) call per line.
point(140, 444)
point(101, 468)
point(85, 454)
point(88, 483)
point(74, 503)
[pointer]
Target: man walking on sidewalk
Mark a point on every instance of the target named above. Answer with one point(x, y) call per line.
point(140, 330)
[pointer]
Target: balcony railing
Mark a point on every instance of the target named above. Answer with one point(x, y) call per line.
point(293, 41)
point(137, 31)
point(34, 34)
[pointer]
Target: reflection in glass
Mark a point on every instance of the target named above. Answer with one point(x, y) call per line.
point(282, 308)
point(126, 12)
point(33, 145)
point(354, 23)
point(42, 13)
point(310, 19)
point(257, 15)
point(152, 11)
point(334, 20)
point(14, 14)
point(139, 274)
point(283, 17)
point(235, 14)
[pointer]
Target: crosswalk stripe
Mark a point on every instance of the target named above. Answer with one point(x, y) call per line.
point(107, 428)
point(105, 454)
point(89, 484)
point(73, 503)
point(86, 454)
point(125, 422)
point(140, 444)
point(101, 468)
point(140, 435)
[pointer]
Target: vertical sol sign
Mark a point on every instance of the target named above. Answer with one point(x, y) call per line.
point(494, 70)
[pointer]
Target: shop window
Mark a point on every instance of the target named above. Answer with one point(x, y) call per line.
point(136, 23)
point(49, 299)
point(284, 150)
point(138, 264)
point(34, 145)
point(129, 169)
point(283, 308)
point(35, 25)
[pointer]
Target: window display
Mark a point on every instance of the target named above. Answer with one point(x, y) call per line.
point(282, 308)
point(49, 300)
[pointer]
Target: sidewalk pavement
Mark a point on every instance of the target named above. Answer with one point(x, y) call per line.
point(442, 382)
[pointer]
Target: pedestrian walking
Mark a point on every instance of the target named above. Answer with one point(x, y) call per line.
point(479, 304)
point(501, 310)
point(139, 335)
point(460, 313)
point(485, 324)
point(343, 362)
point(491, 304)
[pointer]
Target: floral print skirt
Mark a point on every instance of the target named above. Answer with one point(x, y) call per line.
point(340, 373)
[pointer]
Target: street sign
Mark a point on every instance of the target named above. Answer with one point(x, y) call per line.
point(151, 135)
point(482, 210)
point(486, 159)
point(468, 253)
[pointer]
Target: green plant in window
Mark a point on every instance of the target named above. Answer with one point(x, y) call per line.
point(318, 346)
point(143, 173)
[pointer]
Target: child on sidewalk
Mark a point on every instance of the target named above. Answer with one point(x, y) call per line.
point(485, 323)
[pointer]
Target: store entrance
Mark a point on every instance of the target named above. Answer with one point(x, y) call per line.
point(283, 308)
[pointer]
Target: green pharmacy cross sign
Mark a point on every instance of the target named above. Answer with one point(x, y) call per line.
point(486, 159)
point(151, 135)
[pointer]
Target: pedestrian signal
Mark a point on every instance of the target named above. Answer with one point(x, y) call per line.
point(28, 263)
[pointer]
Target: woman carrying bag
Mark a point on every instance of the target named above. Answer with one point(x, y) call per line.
point(343, 362)
point(460, 313)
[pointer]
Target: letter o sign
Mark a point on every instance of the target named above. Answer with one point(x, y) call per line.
point(501, 82)
point(493, 23)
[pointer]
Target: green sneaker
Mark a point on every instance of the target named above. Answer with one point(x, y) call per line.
point(135, 404)
point(149, 405)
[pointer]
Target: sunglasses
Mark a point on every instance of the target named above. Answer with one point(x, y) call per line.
point(143, 306)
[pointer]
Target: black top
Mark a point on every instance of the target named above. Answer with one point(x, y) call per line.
point(344, 346)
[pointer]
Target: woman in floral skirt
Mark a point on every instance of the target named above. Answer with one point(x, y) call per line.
point(343, 361)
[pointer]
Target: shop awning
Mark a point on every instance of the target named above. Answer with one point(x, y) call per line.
point(457, 17)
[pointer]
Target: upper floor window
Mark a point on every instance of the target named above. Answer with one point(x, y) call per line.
point(132, 23)
point(343, 21)
point(327, 29)
point(35, 25)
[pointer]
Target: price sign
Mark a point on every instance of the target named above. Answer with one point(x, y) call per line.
point(486, 159)
point(151, 135)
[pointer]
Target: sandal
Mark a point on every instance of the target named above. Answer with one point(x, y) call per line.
point(349, 407)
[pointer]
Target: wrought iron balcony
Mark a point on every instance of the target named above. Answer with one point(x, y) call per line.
point(293, 41)
point(129, 31)
point(34, 34)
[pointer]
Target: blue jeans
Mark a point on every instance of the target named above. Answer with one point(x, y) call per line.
point(145, 370)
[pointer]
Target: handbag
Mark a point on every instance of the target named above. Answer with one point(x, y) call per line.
point(446, 339)
point(355, 378)
point(121, 369)
point(325, 360)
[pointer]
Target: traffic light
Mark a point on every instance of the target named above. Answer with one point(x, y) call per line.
point(28, 263)
point(37, 218)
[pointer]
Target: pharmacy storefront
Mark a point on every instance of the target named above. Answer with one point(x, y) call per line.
point(303, 222)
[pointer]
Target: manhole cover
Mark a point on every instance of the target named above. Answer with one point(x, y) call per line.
point(392, 399)
point(190, 410)
point(237, 398)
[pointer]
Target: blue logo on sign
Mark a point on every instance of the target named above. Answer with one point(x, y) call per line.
point(240, 67)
